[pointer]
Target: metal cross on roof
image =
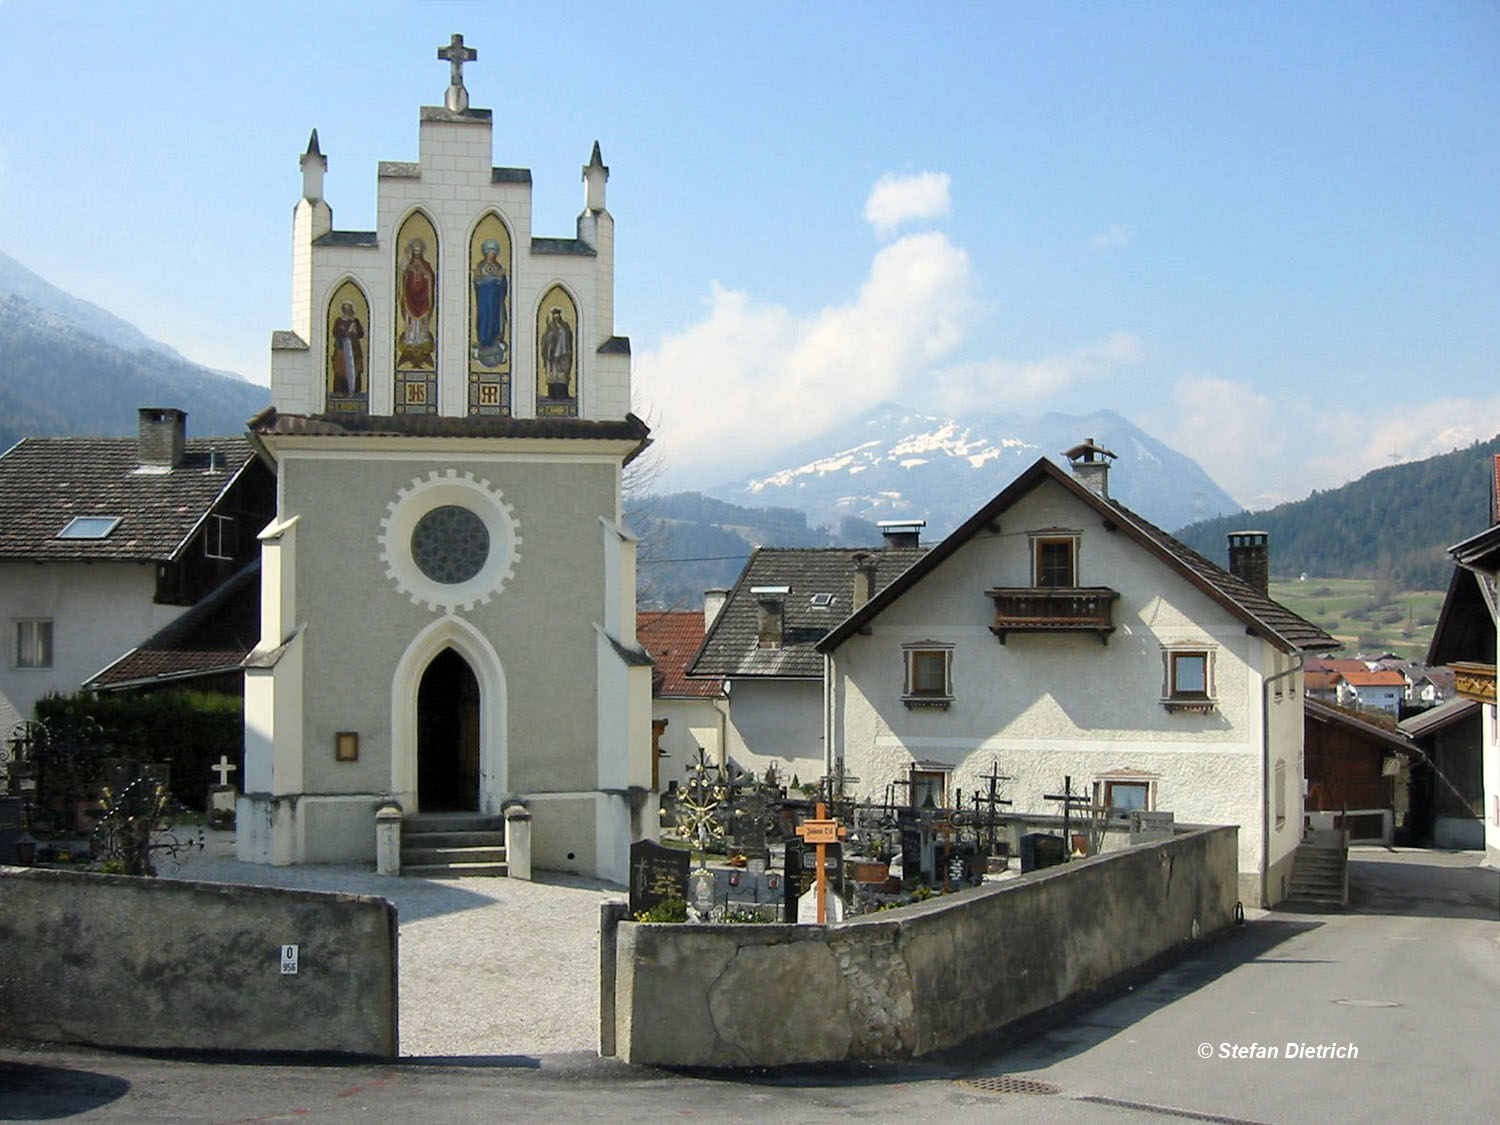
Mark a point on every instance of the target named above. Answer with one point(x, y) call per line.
point(456, 54)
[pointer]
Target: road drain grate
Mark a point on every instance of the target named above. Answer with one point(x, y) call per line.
point(1010, 1084)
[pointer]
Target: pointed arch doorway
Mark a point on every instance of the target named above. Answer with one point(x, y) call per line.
point(448, 736)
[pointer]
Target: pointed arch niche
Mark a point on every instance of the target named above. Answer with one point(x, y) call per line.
point(491, 327)
point(416, 324)
point(557, 355)
point(449, 634)
point(346, 375)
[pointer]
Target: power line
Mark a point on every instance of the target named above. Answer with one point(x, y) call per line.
point(700, 558)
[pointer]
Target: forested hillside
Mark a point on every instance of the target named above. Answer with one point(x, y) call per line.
point(1394, 523)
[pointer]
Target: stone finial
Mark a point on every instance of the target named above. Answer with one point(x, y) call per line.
point(456, 54)
point(595, 175)
point(313, 164)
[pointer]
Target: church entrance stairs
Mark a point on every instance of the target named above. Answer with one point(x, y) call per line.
point(447, 845)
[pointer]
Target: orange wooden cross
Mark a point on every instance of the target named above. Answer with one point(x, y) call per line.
point(821, 831)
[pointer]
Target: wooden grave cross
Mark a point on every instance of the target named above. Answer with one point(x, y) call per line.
point(821, 831)
point(1070, 800)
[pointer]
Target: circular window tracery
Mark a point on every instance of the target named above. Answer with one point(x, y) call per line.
point(450, 544)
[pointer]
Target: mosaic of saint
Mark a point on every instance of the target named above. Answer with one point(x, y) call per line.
point(489, 320)
point(557, 354)
point(416, 316)
point(348, 385)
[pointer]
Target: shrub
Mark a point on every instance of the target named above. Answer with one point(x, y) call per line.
point(667, 910)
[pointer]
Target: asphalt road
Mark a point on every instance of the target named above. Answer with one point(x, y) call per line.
point(1409, 979)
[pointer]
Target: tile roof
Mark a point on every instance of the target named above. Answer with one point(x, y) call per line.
point(211, 638)
point(46, 481)
point(1380, 678)
point(732, 645)
point(672, 639)
point(1436, 718)
point(1265, 618)
point(1315, 712)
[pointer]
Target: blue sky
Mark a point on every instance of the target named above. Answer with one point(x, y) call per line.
point(1265, 232)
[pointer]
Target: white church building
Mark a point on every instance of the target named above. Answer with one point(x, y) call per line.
point(448, 590)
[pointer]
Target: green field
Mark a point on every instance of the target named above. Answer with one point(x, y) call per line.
point(1365, 613)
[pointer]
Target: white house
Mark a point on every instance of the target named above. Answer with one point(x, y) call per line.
point(761, 642)
point(104, 541)
point(447, 607)
point(1057, 634)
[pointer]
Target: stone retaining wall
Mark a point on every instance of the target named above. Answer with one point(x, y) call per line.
point(907, 982)
point(155, 963)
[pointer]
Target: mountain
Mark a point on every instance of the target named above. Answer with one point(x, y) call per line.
point(1394, 523)
point(58, 377)
point(894, 462)
point(18, 281)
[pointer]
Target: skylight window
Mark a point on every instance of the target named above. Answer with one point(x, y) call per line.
point(822, 601)
point(90, 527)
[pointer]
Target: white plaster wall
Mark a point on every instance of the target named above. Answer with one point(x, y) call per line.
point(452, 185)
point(1047, 705)
point(777, 722)
point(691, 723)
point(99, 612)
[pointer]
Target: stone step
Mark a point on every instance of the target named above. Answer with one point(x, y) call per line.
point(452, 840)
point(454, 870)
point(426, 856)
point(451, 822)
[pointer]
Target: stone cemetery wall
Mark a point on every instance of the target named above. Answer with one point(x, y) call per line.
point(156, 963)
point(907, 982)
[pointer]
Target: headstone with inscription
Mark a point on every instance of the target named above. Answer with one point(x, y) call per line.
point(657, 873)
point(1149, 827)
point(802, 872)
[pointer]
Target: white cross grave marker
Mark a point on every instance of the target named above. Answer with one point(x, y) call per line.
point(224, 767)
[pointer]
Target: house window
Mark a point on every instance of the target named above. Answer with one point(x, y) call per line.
point(929, 675)
point(219, 537)
point(1127, 796)
point(929, 788)
point(1055, 561)
point(1188, 681)
point(34, 643)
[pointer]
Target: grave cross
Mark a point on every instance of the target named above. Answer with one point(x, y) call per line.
point(1069, 800)
point(223, 767)
point(820, 832)
point(994, 777)
point(456, 54)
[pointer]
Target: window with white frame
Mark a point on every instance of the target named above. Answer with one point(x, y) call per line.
point(929, 788)
point(34, 643)
point(1127, 796)
point(929, 674)
point(1188, 678)
point(219, 537)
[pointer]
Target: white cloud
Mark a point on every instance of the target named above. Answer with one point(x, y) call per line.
point(1114, 235)
point(1265, 450)
point(751, 376)
point(1005, 383)
point(896, 200)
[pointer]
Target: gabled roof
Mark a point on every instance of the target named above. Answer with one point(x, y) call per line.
point(1315, 712)
point(1437, 718)
point(672, 639)
point(212, 638)
point(1263, 617)
point(46, 481)
point(732, 645)
point(1466, 628)
point(1381, 677)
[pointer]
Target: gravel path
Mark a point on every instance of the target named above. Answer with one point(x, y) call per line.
point(487, 966)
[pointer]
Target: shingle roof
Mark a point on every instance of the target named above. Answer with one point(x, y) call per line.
point(672, 639)
point(732, 645)
point(46, 481)
point(1436, 718)
point(1315, 712)
point(213, 637)
point(271, 423)
point(1267, 619)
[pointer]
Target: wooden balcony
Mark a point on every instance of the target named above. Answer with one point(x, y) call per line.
point(1474, 681)
point(1044, 609)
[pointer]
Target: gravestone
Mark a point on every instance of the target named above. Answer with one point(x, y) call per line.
point(657, 873)
point(11, 828)
point(802, 873)
point(1149, 827)
point(1039, 850)
point(222, 795)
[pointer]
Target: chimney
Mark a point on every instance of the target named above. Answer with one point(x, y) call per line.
point(1090, 463)
point(770, 626)
point(1250, 558)
point(864, 578)
point(161, 437)
point(901, 533)
point(713, 605)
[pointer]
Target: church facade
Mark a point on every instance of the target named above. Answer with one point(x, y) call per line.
point(448, 587)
